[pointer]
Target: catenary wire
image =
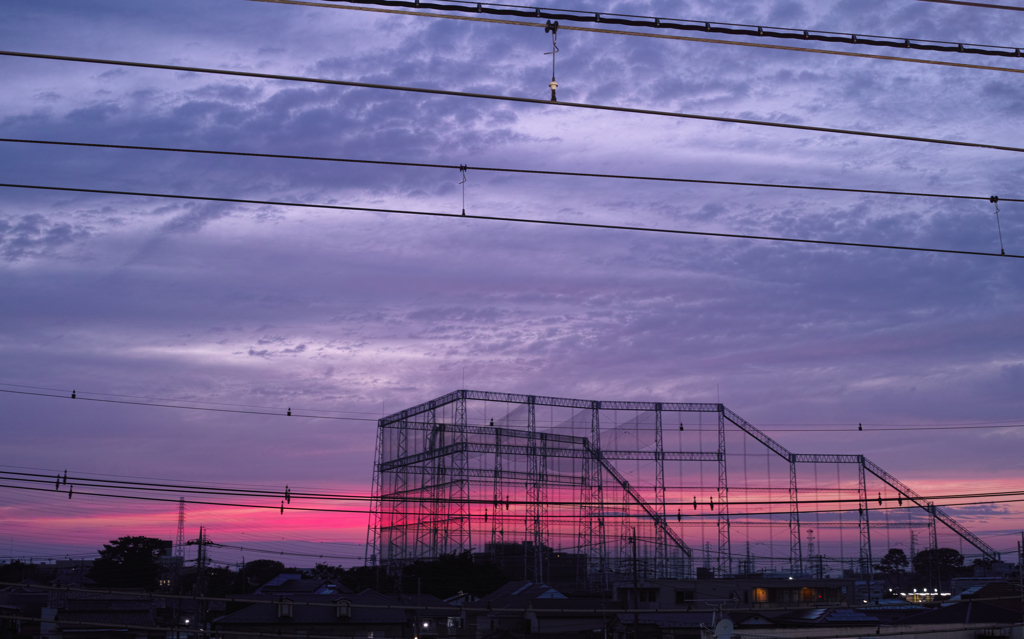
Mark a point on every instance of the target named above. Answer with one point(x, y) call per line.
point(282, 553)
point(194, 401)
point(517, 220)
point(67, 395)
point(503, 170)
point(506, 98)
point(980, 5)
point(661, 36)
point(35, 478)
point(679, 24)
point(179, 406)
point(94, 475)
point(843, 427)
point(691, 521)
point(51, 475)
point(569, 517)
point(605, 515)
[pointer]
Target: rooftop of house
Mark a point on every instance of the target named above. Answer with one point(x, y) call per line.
point(293, 583)
point(828, 616)
point(116, 618)
point(964, 612)
point(269, 613)
point(672, 619)
point(518, 593)
point(430, 602)
point(999, 593)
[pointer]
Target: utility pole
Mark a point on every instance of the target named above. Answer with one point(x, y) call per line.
point(1020, 573)
point(636, 590)
point(200, 585)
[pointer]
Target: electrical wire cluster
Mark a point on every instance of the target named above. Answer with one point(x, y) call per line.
point(517, 99)
point(509, 10)
point(658, 34)
point(106, 398)
point(62, 482)
point(676, 24)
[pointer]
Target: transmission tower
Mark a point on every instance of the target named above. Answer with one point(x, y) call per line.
point(179, 541)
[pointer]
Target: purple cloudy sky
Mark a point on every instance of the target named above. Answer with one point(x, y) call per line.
point(363, 312)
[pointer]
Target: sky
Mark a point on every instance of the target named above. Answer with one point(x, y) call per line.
point(359, 314)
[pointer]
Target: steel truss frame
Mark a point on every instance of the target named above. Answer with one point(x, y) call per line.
point(432, 466)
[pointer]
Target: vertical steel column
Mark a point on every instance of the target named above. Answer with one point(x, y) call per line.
point(542, 509)
point(865, 523)
point(626, 555)
point(438, 530)
point(533, 533)
point(585, 531)
point(933, 530)
point(796, 549)
point(587, 524)
point(661, 569)
point(425, 529)
point(496, 529)
point(373, 529)
point(597, 476)
point(398, 551)
point(724, 534)
point(458, 519)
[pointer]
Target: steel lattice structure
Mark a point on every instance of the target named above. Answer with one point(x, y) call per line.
point(565, 484)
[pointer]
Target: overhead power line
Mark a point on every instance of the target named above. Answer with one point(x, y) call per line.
point(678, 24)
point(194, 401)
point(289, 412)
point(365, 511)
point(459, 167)
point(80, 482)
point(506, 98)
point(283, 553)
point(517, 220)
point(980, 5)
point(283, 412)
point(643, 34)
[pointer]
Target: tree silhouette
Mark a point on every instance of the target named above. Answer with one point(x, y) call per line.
point(129, 562)
point(938, 565)
point(892, 565)
point(452, 573)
